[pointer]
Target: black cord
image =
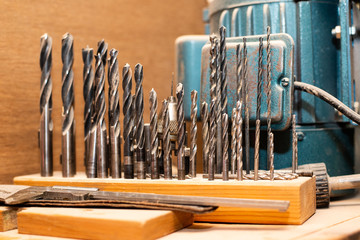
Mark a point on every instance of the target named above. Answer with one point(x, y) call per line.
point(333, 101)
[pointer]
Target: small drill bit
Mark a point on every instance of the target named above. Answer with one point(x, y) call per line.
point(205, 135)
point(181, 131)
point(46, 124)
point(161, 137)
point(114, 114)
point(218, 114)
point(271, 152)
point(225, 140)
point(239, 72)
point(294, 145)
point(102, 50)
point(268, 93)
point(213, 66)
point(133, 143)
point(127, 105)
point(247, 116)
point(140, 138)
point(239, 148)
point(68, 122)
point(153, 134)
point(223, 69)
point(212, 141)
point(233, 141)
point(166, 142)
point(147, 147)
point(256, 150)
point(193, 133)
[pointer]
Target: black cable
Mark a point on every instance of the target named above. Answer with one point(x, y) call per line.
point(317, 92)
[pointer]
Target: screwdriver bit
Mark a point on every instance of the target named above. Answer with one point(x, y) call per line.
point(233, 141)
point(294, 145)
point(268, 93)
point(114, 115)
point(181, 131)
point(68, 122)
point(246, 105)
point(193, 133)
point(166, 142)
point(271, 152)
point(127, 105)
point(154, 134)
point(212, 141)
point(205, 135)
point(225, 140)
point(223, 69)
point(239, 148)
point(46, 124)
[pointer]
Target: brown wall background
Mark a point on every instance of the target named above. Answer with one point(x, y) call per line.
point(142, 31)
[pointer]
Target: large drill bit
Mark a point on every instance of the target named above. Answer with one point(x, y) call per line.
point(218, 115)
point(233, 141)
point(268, 94)
point(193, 133)
point(225, 140)
point(212, 141)
point(114, 114)
point(223, 69)
point(154, 134)
point(205, 135)
point(246, 105)
point(139, 122)
point(239, 148)
point(68, 122)
point(46, 124)
point(271, 152)
point(181, 131)
point(294, 145)
point(127, 105)
point(166, 142)
point(239, 95)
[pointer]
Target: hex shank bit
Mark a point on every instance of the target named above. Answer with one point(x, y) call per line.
point(223, 69)
point(166, 143)
point(139, 122)
point(193, 133)
point(239, 148)
point(205, 135)
point(114, 115)
point(225, 140)
point(127, 105)
point(212, 141)
point(233, 141)
point(46, 124)
point(68, 122)
point(181, 131)
point(154, 134)
point(246, 105)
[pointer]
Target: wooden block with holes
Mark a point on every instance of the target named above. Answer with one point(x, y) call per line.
point(300, 192)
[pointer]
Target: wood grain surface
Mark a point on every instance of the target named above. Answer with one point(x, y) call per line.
point(8, 219)
point(143, 31)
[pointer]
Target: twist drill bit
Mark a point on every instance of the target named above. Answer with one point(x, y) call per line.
point(46, 124)
point(239, 73)
point(139, 132)
point(181, 131)
point(102, 50)
point(212, 141)
point(223, 69)
point(114, 114)
point(133, 144)
point(239, 149)
point(294, 145)
point(271, 152)
point(153, 134)
point(213, 66)
point(161, 137)
point(225, 140)
point(205, 135)
point(193, 133)
point(166, 142)
point(268, 93)
point(233, 141)
point(147, 147)
point(67, 93)
point(247, 116)
point(127, 105)
point(218, 115)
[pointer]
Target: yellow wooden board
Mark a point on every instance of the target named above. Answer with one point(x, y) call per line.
point(7, 218)
point(101, 223)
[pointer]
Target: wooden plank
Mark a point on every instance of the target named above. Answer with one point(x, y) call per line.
point(7, 218)
point(300, 192)
point(101, 223)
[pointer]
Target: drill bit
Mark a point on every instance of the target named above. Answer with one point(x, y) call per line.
point(223, 69)
point(212, 141)
point(218, 115)
point(271, 152)
point(46, 124)
point(127, 105)
point(239, 149)
point(102, 50)
point(213, 66)
point(67, 93)
point(147, 147)
point(239, 72)
point(225, 140)
point(233, 141)
point(193, 133)
point(247, 117)
point(205, 135)
point(294, 145)
point(114, 114)
point(258, 108)
point(153, 134)
point(133, 144)
point(181, 131)
point(268, 93)
point(166, 142)
point(139, 134)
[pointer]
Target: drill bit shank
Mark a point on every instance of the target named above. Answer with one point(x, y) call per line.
point(139, 134)
point(193, 133)
point(205, 135)
point(181, 131)
point(212, 141)
point(166, 142)
point(233, 141)
point(154, 134)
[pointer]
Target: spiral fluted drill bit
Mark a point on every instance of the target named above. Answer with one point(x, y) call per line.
point(268, 94)
point(205, 135)
point(271, 152)
point(225, 140)
point(212, 141)
point(68, 122)
point(139, 122)
point(239, 73)
point(246, 105)
point(181, 131)
point(114, 115)
point(102, 50)
point(239, 148)
point(223, 69)
point(166, 143)
point(233, 141)
point(154, 134)
point(46, 124)
point(294, 145)
point(218, 116)
point(193, 133)
point(213, 66)
point(127, 105)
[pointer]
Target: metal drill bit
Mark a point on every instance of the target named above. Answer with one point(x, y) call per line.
point(256, 150)
point(154, 134)
point(223, 69)
point(166, 142)
point(102, 50)
point(268, 94)
point(161, 137)
point(147, 147)
point(68, 122)
point(181, 131)
point(212, 141)
point(213, 66)
point(233, 141)
point(139, 131)
point(271, 152)
point(225, 140)
point(127, 105)
point(239, 73)
point(133, 144)
point(294, 145)
point(239, 148)
point(218, 115)
point(246, 105)
point(205, 135)
point(114, 114)
point(193, 133)
point(46, 124)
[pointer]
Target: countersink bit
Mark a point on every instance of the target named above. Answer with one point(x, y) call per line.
point(246, 105)
point(225, 140)
point(114, 114)
point(181, 131)
point(68, 122)
point(205, 135)
point(127, 105)
point(233, 141)
point(271, 152)
point(239, 73)
point(154, 135)
point(268, 94)
point(46, 124)
point(239, 148)
point(218, 116)
point(147, 147)
point(139, 131)
point(212, 141)
point(193, 133)
point(166, 142)
point(294, 145)
point(223, 69)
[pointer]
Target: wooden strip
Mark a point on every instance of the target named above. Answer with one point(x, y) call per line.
point(7, 218)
